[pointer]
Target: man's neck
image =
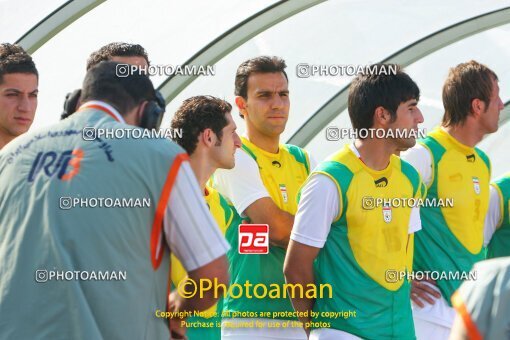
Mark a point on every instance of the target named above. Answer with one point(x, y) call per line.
point(4, 140)
point(266, 143)
point(202, 168)
point(466, 134)
point(375, 153)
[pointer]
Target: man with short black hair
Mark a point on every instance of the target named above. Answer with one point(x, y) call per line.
point(59, 168)
point(19, 82)
point(263, 187)
point(342, 238)
point(121, 52)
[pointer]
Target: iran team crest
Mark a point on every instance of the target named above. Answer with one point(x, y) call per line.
point(476, 185)
point(386, 210)
point(283, 190)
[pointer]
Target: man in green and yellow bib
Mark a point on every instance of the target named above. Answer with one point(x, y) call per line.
point(343, 236)
point(453, 168)
point(208, 134)
point(263, 187)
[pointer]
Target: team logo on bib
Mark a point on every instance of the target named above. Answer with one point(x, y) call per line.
point(476, 185)
point(283, 190)
point(381, 182)
point(386, 210)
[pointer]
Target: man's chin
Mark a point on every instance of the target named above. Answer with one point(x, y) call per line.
point(229, 166)
point(406, 144)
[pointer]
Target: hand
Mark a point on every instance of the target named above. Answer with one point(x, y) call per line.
point(177, 326)
point(420, 290)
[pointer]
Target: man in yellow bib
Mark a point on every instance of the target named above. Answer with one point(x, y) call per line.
point(263, 187)
point(451, 166)
point(344, 237)
point(208, 134)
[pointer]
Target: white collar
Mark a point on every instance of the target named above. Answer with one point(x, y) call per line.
point(353, 148)
point(107, 108)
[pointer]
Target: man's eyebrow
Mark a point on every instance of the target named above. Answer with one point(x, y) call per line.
point(12, 90)
point(263, 91)
point(18, 91)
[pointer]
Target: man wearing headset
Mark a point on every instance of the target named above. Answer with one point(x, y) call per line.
point(93, 270)
point(121, 52)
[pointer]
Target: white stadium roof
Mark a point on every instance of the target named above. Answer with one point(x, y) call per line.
point(427, 37)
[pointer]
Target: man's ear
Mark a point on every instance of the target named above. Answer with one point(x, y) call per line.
point(381, 116)
point(241, 105)
point(139, 111)
point(207, 137)
point(477, 107)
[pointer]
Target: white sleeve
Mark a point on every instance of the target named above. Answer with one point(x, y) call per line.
point(242, 185)
point(493, 216)
point(415, 220)
point(190, 230)
point(317, 209)
point(419, 157)
point(313, 162)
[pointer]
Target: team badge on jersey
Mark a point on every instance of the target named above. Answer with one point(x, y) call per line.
point(283, 190)
point(386, 210)
point(476, 185)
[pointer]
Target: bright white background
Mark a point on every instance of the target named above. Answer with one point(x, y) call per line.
point(335, 32)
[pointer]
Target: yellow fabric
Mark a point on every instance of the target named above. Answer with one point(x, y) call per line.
point(466, 219)
point(212, 199)
point(378, 246)
point(283, 180)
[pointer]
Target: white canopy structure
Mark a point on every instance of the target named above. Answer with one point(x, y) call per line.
point(426, 37)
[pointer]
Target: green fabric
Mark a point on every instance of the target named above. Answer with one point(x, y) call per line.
point(413, 176)
point(381, 313)
point(257, 269)
point(227, 208)
point(436, 248)
point(500, 242)
point(485, 158)
point(265, 269)
point(204, 333)
point(299, 155)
